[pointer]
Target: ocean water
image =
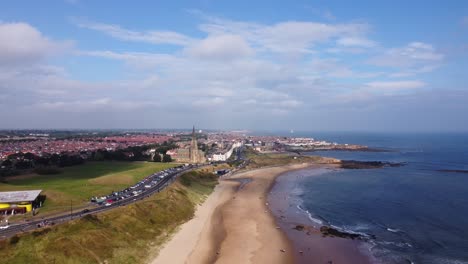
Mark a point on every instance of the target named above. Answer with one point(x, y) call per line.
point(417, 213)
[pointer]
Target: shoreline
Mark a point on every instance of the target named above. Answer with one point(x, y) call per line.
point(308, 241)
point(237, 224)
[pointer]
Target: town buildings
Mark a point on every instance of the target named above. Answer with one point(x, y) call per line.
point(219, 156)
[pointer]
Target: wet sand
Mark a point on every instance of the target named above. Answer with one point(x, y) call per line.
point(309, 244)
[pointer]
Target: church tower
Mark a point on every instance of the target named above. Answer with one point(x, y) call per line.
point(194, 148)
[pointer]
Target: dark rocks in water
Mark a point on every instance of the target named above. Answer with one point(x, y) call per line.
point(329, 231)
point(332, 232)
point(454, 171)
point(355, 164)
point(299, 227)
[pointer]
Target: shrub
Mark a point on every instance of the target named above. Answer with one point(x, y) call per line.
point(14, 240)
point(47, 170)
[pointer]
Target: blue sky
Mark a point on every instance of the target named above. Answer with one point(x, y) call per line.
point(304, 65)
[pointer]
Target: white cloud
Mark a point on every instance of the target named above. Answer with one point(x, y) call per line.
point(101, 104)
point(141, 60)
point(209, 102)
point(356, 42)
point(22, 44)
point(151, 36)
point(290, 103)
point(412, 72)
point(220, 47)
point(278, 68)
point(290, 36)
point(395, 85)
point(412, 55)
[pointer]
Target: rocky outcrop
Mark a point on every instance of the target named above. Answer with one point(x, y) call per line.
point(355, 164)
point(454, 171)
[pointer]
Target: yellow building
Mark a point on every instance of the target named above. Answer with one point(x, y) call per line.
point(18, 201)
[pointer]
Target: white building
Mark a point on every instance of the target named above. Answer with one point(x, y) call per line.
point(227, 155)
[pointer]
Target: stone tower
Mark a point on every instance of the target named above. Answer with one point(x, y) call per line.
point(194, 148)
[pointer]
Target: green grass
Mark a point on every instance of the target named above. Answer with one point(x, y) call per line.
point(258, 160)
point(79, 183)
point(124, 235)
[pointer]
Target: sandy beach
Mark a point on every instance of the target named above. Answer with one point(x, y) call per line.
point(236, 225)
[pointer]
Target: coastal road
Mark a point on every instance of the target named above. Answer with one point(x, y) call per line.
point(29, 226)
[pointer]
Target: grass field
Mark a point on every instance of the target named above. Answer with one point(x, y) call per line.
point(129, 234)
point(257, 160)
point(78, 184)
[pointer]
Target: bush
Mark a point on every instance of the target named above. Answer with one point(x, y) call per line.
point(14, 240)
point(41, 232)
point(47, 171)
point(157, 157)
point(166, 158)
point(186, 180)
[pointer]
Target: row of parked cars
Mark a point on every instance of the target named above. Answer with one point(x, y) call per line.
point(137, 189)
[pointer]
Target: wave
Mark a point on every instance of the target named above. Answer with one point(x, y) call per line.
point(309, 215)
point(321, 221)
point(393, 230)
point(353, 231)
point(395, 244)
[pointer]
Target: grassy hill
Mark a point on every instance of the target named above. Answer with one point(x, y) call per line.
point(122, 235)
point(78, 184)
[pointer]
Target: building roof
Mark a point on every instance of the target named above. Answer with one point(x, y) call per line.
point(19, 196)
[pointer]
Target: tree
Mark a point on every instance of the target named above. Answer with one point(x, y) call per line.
point(167, 158)
point(29, 156)
point(55, 158)
point(98, 156)
point(157, 157)
point(7, 163)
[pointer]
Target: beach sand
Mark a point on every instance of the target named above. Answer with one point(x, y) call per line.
point(235, 225)
point(181, 245)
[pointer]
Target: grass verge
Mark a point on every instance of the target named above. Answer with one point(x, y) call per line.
point(123, 235)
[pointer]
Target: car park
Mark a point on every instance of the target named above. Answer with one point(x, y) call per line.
point(144, 186)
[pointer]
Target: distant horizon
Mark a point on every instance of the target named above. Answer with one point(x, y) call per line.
point(239, 129)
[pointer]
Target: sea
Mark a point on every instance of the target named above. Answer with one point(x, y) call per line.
point(416, 213)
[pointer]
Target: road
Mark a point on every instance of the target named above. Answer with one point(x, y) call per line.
point(29, 226)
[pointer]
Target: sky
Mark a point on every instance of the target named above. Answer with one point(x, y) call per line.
point(258, 65)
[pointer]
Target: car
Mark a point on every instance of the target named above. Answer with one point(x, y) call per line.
point(4, 227)
point(85, 211)
point(108, 204)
